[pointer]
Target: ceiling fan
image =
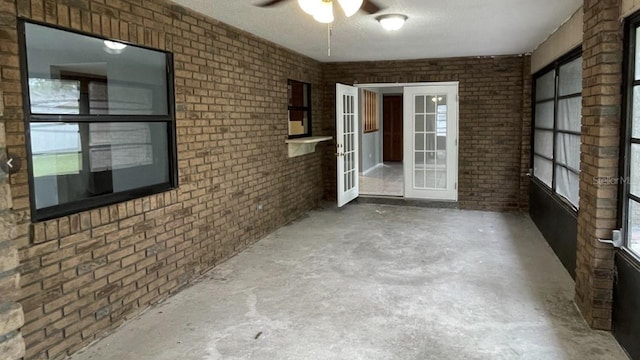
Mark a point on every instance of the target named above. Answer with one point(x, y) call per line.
point(322, 10)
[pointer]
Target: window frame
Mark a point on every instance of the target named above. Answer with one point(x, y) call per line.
point(97, 201)
point(306, 109)
point(554, 66)
point(626, 133)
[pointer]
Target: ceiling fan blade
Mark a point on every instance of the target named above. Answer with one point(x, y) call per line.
point(371, 7)
point(270, 3)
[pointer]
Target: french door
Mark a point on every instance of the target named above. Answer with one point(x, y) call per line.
point(347, 143)
point(431, 142)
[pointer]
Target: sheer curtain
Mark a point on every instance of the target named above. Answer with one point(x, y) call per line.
point(568, 126)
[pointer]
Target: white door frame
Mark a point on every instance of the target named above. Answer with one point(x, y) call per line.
point(455, 107)
point(387, 85)
point(413, 191)
point(347, 148)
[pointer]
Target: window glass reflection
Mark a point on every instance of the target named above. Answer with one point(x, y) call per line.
point(78, 161)
point(70, 73)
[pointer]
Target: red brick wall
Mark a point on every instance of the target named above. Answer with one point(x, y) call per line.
point(601, 114)
point(495, 120)
point(84, 274)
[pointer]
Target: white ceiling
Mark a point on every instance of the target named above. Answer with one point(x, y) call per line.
point(435, 29)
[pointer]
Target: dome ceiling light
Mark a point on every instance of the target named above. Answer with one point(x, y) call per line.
point(392, 22)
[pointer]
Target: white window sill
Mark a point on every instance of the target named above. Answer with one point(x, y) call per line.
point(305, 145)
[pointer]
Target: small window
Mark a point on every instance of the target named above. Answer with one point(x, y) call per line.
point(100, 121)
point(556, 133)
point(370, 111)
point(299, 109)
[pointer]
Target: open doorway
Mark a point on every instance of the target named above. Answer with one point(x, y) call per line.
point(392, 128)
point(382, 172)
point(373, 132)
point(408, 140)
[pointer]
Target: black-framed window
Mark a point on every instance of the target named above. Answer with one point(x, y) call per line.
point(630, 188)
point(99, 117)
point(557, 125)
point(299, 107)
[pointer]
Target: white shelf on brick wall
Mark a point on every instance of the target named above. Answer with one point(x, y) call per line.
point(305, 145)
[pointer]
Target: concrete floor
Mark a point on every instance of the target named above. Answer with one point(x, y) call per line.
point(375, 282)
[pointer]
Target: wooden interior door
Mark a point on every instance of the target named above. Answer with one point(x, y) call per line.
point(392, 128)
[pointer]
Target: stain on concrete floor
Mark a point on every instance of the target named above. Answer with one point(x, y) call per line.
point(375, 282)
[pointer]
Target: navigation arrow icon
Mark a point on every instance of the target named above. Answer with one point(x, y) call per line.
point(10, 163)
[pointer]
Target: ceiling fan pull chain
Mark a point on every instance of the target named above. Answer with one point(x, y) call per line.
point(329, 33)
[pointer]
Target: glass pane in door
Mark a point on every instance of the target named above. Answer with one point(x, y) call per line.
point(441, 143)
point(420, 123)
point(431, 123)
point(430, 142)
point(350, 171)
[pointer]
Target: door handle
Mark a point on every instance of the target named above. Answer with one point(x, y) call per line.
point(338, 154)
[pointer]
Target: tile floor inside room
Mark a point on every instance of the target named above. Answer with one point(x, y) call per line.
point(387, 179)
point(375, 282)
